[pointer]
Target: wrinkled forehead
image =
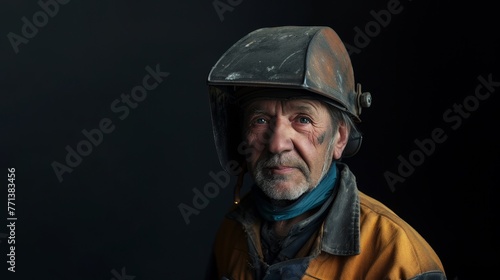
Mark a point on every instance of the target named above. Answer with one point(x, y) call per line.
point(286, 97)
point(288, 105)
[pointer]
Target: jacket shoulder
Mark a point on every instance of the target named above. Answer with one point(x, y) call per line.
point(384, 233)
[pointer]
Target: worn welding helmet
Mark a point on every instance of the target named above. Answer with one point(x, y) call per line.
point(302, 60)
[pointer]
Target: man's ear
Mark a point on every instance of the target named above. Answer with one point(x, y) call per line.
point(341, 137)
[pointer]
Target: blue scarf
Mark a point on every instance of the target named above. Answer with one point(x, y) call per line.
point(307, 201)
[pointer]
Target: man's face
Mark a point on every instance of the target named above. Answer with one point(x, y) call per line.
point(291, 144)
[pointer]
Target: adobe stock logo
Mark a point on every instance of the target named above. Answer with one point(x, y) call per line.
point(220, 180)
point(30, 29)
point(453, 117)
point(122, 275)
point(201, 198)
point(121, 106)
point(373, 28)
point(221, 7)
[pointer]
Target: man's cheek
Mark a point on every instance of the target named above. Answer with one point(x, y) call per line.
point(256, 144)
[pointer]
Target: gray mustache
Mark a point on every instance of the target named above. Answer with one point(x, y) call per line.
point(280, 160)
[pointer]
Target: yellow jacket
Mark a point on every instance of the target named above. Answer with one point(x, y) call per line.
point(359, 239)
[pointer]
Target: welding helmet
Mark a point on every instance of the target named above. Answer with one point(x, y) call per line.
point(307, 60)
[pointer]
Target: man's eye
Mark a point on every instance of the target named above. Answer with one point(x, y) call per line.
point(304, 120)
point(260, 121)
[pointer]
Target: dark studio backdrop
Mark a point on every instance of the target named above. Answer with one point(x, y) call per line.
point(99, 178)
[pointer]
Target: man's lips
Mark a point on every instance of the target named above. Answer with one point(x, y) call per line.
point(281, 169)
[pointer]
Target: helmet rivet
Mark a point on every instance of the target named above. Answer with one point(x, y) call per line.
point(365, 99)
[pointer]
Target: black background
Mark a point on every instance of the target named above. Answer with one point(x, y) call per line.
point(117, 211)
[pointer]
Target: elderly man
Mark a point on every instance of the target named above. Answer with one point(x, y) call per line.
point(284, 108)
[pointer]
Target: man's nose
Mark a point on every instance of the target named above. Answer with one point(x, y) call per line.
point(280, 137)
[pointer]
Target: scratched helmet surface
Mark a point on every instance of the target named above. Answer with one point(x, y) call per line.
point(310, 59)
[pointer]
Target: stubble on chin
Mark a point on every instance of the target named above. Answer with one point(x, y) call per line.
point(281, 186)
